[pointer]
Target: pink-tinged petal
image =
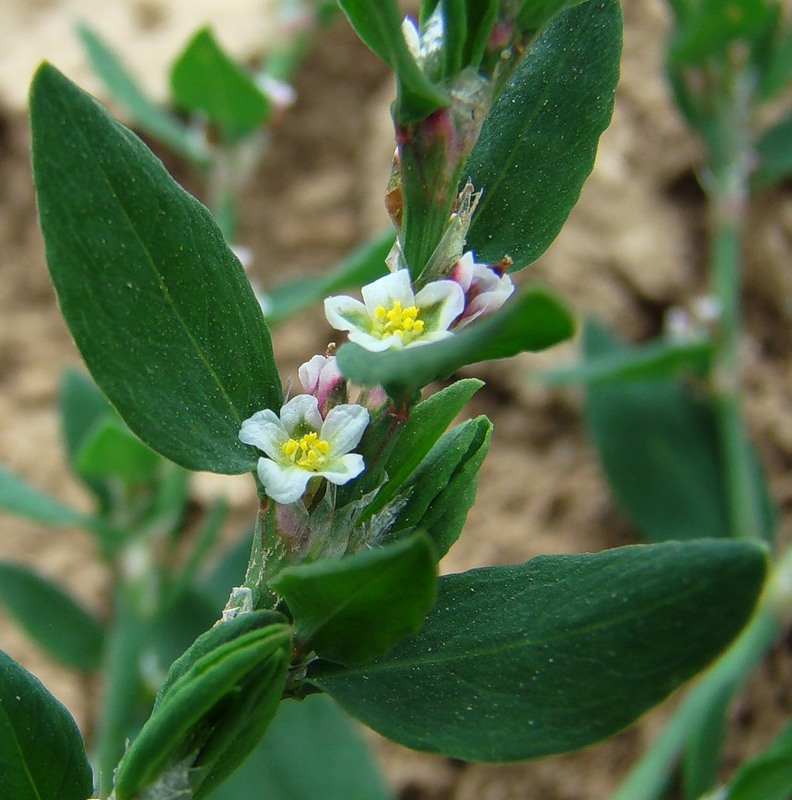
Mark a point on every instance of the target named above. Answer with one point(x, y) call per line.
point(462, 271)
point(264, 431)
point(344, 469)
point(385, 291)
point(283, 483)
point(309, 372)
point(346, 314)
point(302, 409)
point(372, 343)
point(344, 427)
point(441, 302)
point(487, 294)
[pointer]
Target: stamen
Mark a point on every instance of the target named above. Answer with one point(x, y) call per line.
point(397, 321)
point(309, 451)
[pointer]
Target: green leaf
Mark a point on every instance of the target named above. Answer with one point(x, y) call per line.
point(204, 78)
point(42, 756)
point(158, 305)
point(533, 320)
point(650, 776)
point(716, 24)
point(426, 424)
point(111, 450)
point(538, 143)
point(454, 36)
point(379, 26)
point(146, 114)
point(20, 498)
point(355, 608)
point(363, 265)
point(82, 405)
point(769, 775)
point(52, 618)
point(656, 359)
point(774, 153)
point(441, 491)
point(535, 14)
point(521, 661)
point(341, 765)
point(659, 447)
point(481, 17)
point(204, 708)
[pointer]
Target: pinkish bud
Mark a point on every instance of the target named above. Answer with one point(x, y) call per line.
point(321, 377)
point(486, 288)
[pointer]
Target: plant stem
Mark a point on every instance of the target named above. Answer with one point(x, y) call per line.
point(122, 688)
point(649, 778)
point(727, 189)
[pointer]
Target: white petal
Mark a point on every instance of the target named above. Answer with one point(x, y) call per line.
point(462, 271)
point(445, 301)
point(283, 483)
point(432, 336)
point(301, 409)
point(369, 342)
point(344, 427)
point(263, 430)
point(343, 469)
point(411, 38)
point(385, 291)
point(346, 314)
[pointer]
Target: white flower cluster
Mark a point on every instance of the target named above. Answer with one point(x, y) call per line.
point(315, 432)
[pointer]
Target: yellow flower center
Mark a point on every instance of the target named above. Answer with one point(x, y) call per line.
point(309, 451)
point(403, 322)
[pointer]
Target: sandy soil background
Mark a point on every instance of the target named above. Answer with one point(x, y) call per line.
point(633, 247)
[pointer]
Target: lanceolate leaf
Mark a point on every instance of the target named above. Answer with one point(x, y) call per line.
point(56, 622)
point(205, 79)
point(538, 143)
point(520, 661)
point(146, 114)
point(534, 320)
point(158, 305)
point(20, 498)
point(358, 607)
point(42, 756)
point(342, 768)
point(659, 446)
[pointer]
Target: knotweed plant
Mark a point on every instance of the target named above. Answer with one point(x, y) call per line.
point(362, 485)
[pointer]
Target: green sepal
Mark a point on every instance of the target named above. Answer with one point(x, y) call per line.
point(197, 709)
point(42, 755)
point(145, 113)
point(353, 609)
point(538, 143)
point(159, 307)
point(205, 79)
point(51, 617)
point(427, 422)
point(440, 493)
point(521, 661)
point(379, 26)
point(533, 320)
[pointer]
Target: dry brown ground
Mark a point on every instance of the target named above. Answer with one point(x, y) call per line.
point(632, 247)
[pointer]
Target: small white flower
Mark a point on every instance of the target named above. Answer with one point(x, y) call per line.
point(300, 445)
point(426, 46)
point(391, 316)
point(485, 289)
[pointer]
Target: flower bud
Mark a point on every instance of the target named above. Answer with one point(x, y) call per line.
point(321, 378)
